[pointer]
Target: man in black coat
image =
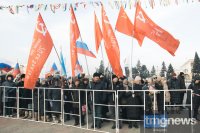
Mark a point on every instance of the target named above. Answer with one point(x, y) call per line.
point(134, 98)
point(25, 100)
point(115, 85)
point(10, 91)
point(99, 98)
point(175, 97)
point(54, 95)
point(181, 79)
point(159, 95)
point(196, 97)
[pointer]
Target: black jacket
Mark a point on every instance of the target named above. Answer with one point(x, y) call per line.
point(99, 96)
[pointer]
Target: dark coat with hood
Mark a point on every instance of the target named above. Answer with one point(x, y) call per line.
point(175, 95)
point(9, 91)
point(134, 98)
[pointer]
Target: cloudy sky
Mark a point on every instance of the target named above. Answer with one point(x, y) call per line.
point(16, 32)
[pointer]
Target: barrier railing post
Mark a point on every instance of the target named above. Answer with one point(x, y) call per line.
point(4, 102)
point(38, 116)
point(17, 102)
point(44, 92)
point(62, 117)
point(86, 102)
point(33, 116)
point(93, 109)
point(80, 108)
point(116, 112)
point(191, 104)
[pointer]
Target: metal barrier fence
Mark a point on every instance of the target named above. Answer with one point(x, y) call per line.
point(42, 101)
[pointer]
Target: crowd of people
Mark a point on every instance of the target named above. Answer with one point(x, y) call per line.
point(78, 101)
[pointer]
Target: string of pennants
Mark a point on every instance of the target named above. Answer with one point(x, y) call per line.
point(114, 4)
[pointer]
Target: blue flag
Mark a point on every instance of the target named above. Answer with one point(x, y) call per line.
point(63, 69)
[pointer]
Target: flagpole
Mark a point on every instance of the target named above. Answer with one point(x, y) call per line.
point(131, 63)
point(102, 58)
point(57, 53)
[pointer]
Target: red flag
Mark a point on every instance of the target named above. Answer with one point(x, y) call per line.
point(40, 50)
point(125, 26)
point(74, 35)
point(144, 25)
point(97, 32)
point(111, 45)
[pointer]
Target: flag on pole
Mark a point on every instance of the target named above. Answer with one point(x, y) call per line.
point(144, 25)
point(5, 67)
point(16, 70)
point(125, 26)
point(74, 35)
point(97, 32)
point(53, 70)
point(78, 68)
point(63, 69)
point(111, 45)
point(41, 48)
point(82, 48)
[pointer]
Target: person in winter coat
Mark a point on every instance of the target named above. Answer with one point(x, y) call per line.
point(196, 97)
point(124, 100)
point(10, 91)
point(67, 83)
point(167, 94)
point(25, 99)
point(77, 107)
point(55, 96)
point(181, 79)
point(134, 98)
point(159, 95)
point(189, 96)
point(175, 95)
point(115, 85)
point(148, 98)
point(38, 98)
point(99, 98)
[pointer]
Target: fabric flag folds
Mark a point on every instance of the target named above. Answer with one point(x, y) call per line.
point(5, 67)
point(74, 35)
point(62, 63)
point(82, 48)
point(52, 70)
point(97, 33)
point(41, 48)
point(111, 45)
point(144, 25)
point(78, 68)
point(16, 70)
point(125, 26)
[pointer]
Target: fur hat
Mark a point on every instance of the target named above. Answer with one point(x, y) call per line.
point(138, 78)
point(77, 80)
point(197, 77)
point(96, 75)
point(114, 76)
point(22, 76)
point(9, 75)
point(173, 74)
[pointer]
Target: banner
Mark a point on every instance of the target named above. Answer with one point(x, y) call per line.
point(41, 48)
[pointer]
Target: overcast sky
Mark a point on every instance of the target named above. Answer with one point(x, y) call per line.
point(16, 33)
